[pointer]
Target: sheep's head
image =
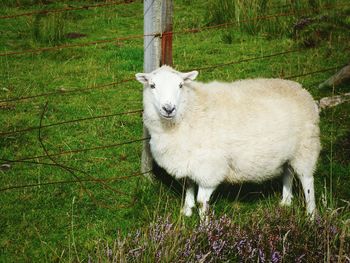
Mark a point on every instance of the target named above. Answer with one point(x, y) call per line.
point(166, 86)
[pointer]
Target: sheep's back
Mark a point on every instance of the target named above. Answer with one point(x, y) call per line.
point(255, 125)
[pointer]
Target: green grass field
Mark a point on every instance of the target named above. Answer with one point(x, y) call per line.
point(73, 219)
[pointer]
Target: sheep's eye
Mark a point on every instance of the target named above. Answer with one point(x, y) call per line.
point(181, 85)
point(153, 86)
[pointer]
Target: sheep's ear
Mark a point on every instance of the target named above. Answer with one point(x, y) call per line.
point(189, 76)
point(142, 77)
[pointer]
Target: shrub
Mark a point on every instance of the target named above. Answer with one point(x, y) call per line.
point(266, 237)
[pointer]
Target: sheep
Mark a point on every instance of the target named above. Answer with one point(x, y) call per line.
point(246, 131)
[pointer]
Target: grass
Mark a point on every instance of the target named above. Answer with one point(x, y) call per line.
point(73, 221)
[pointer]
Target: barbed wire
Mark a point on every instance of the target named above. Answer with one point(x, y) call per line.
point(159, 34)
point(130, 37)
point(140, 110)
point(110, 179)
point(245, 60)
point(70, 121)
point(71, 170)
point(136, 140)
point(72, 91)
point(108, 85)
point(60, 10)
point(101, 147)
point(265, 17)
point(79, 180)
point(103, 86)
point(138, 174)
point(314, 72)
point(90, 43)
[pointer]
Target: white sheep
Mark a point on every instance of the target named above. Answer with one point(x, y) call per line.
point(244, 131)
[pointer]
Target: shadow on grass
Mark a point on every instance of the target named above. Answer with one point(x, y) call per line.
point(246, 192)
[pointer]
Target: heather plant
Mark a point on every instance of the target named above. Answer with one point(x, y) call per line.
point(265, 237)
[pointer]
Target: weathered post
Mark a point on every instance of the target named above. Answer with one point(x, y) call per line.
point(152, 25)
point(157, 51)
point(167, 33)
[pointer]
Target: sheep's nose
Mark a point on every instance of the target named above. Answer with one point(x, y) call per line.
point(168, 108)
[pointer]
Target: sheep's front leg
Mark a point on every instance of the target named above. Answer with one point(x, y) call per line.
point(287, 193)
point(203, 197)
point(189, 200)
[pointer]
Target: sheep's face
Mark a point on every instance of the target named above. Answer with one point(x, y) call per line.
point(166, 87)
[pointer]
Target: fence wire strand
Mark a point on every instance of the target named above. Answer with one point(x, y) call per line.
point(62, 93)
point(67, 9)
point(75, 151)
point(314, 72)
point(108, 85)
point(87, 177)
point(7, 133)
point(159, 34)
point(84, 44)
point(111, 179)
point(73, 171)
point(136, 140)
point(245, 60)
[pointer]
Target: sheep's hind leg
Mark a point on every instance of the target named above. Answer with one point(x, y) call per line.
point(304, 168)
point(308, 186)
point(287, 193)
point(203, 197)
point(189, 200)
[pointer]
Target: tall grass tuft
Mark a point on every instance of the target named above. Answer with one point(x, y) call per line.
point(48, 29)
point(254, 16)
point(311, 31)
point(220, 12)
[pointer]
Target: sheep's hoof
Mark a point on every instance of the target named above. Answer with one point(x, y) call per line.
point(312, 215)
point(204, 216)
point(286, 202)
point(204, 220)
point(186, 211)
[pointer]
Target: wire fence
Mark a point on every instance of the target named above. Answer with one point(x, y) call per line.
point(66, 92)
point(67, 9)
point(77, 91)
point(110, 179)
point(139, 111)
point(81, 177)
point(157, 34)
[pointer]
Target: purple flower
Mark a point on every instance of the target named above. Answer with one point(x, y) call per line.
point(318, 220)
point(159, 255)
point(276, 257)
point(333, 230)
point(218, 245)
point(298, 260)
point(240, 246)
point(160, 230)
point(187, 251)
point(199, 256)
point(109, 253)
point(261, 255)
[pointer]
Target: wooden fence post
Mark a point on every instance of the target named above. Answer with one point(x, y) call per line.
point(167, 33)
point(152, 25)
point(157, 51)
